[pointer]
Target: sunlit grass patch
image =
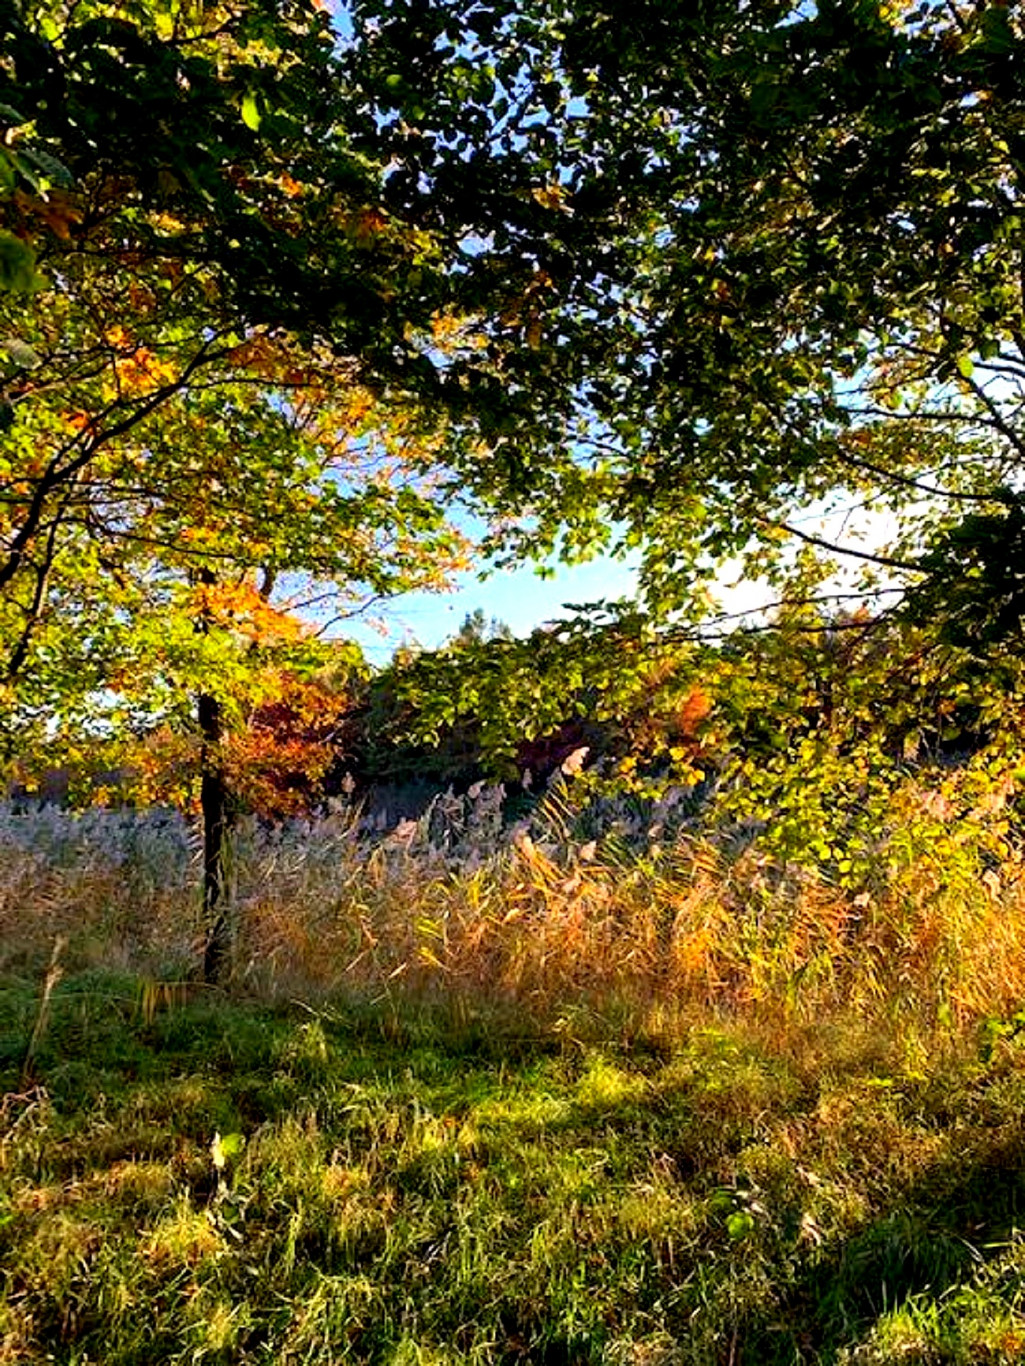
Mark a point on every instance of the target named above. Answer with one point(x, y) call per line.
point(969, 1326)
point(184, 1237)
point(215, 1325)
point(654, 1213)
point(57, 1244)
point(524, 1111)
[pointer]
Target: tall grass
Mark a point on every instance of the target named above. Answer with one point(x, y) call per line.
point(651, 919)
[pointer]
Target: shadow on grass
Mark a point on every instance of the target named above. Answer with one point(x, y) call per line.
point(936, 1236)
point(126, 1088)
point(213, 1063)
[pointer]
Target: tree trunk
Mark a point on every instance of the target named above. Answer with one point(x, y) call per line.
point(216, 812)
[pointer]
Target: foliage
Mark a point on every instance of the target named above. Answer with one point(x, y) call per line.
point(832, 316)
point(811, 291)
point(638, 697)
point(166, 420)
point(807, 729)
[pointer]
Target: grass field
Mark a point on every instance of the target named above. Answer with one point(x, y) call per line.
point(493, 1159)
point(420, 1190)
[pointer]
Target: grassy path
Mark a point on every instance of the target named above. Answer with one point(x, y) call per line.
point(412, 1193)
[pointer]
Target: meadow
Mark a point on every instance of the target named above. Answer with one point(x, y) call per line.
point(555, 1095)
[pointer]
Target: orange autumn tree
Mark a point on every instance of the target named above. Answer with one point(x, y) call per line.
point(208, 396)
point(290, 718)
point(291, 489)
point(294, 735)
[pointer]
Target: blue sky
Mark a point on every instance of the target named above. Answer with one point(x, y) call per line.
point(516, 596)
point(524, 601)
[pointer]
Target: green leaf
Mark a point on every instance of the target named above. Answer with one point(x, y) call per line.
point(965, 366)
point(997, 34)
point(54, 172)
point(740, 1225)
point(17, 264)
point(250, 111)
point(224, 1148)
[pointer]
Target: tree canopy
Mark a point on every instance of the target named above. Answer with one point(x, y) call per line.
point(814, 287)
point(807, 219)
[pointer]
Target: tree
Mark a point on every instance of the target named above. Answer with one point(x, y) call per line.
point(477, 628)
point(814, 287)
point(176, 563)
point(195, 396)
point(808, 222)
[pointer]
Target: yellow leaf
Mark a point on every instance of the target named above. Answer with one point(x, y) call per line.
point(551, 197)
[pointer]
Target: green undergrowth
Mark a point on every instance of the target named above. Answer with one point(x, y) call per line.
point(204, 1180)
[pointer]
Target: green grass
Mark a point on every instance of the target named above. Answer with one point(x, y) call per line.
point(439, 1191)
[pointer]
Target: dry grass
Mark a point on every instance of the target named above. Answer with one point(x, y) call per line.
point(533, 924)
